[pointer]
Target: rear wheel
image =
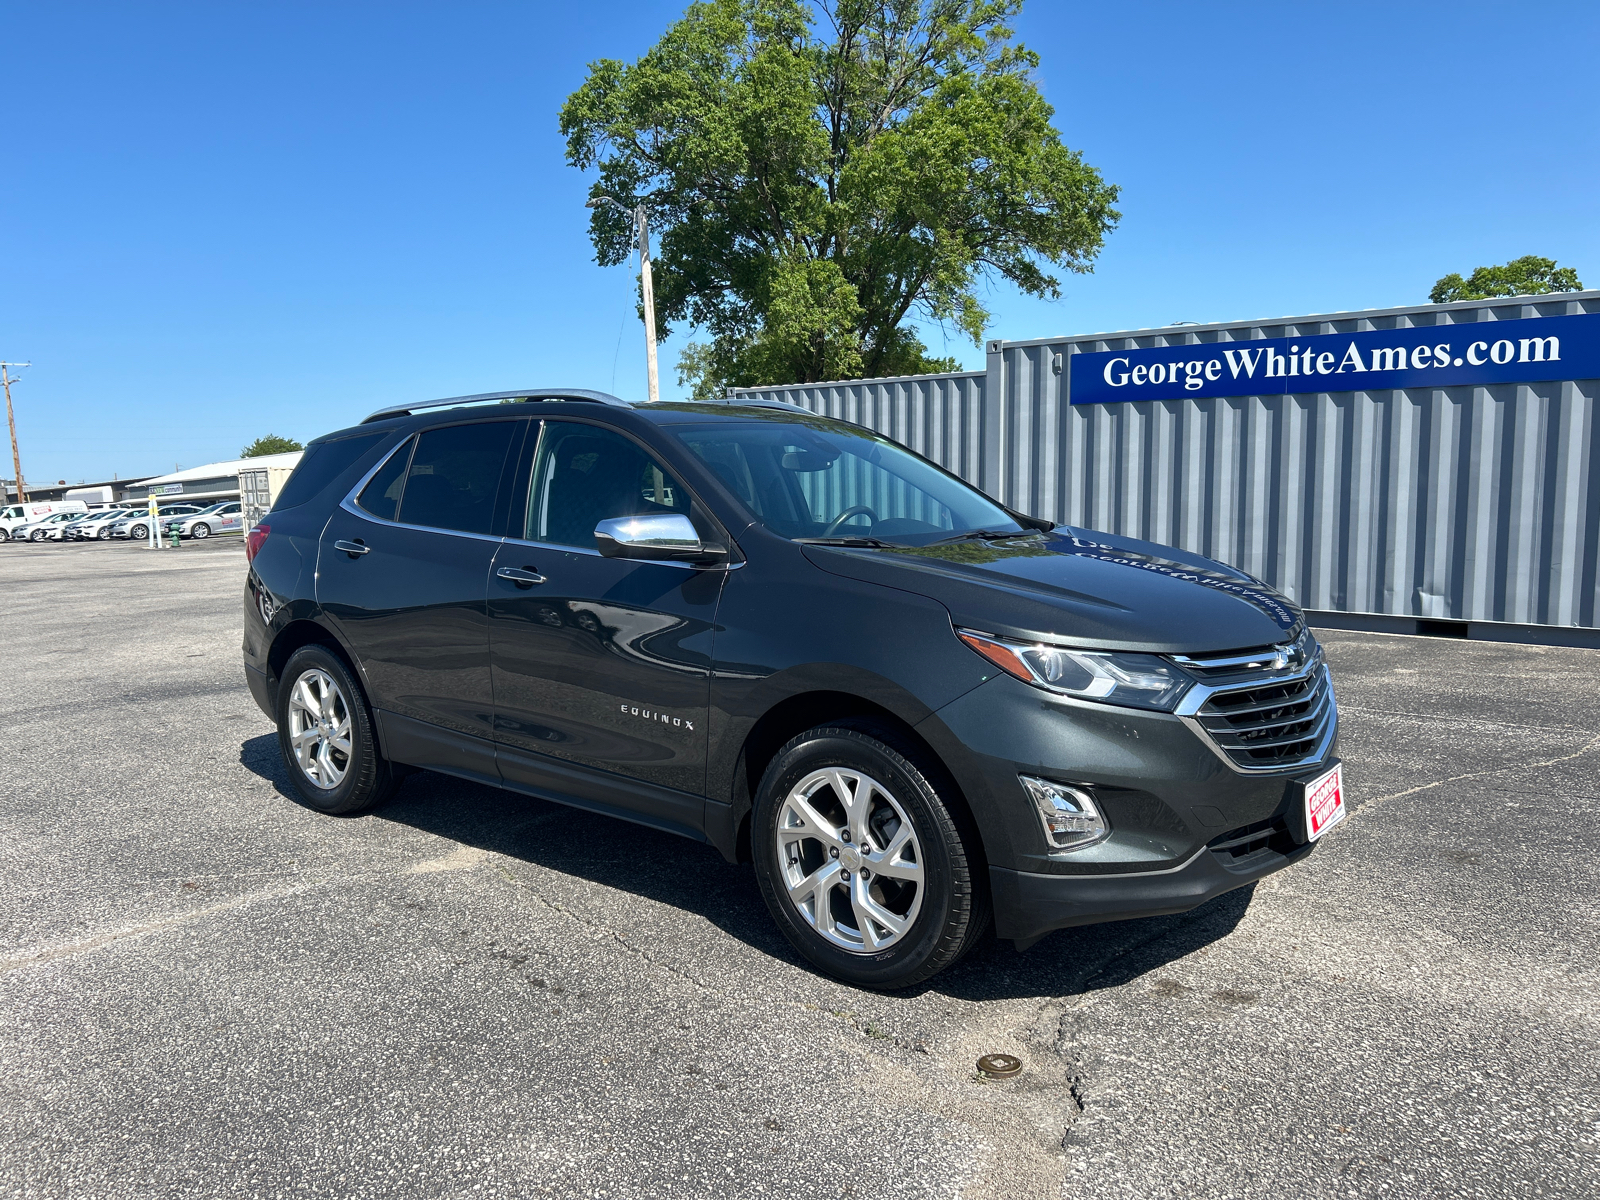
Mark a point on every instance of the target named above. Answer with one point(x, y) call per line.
point(326, 736)
point(861, 859)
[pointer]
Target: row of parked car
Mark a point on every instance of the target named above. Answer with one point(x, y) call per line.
point(24, 523)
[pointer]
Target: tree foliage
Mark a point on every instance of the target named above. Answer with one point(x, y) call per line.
point(818, 179)
point(1529, 275)
point(270, 444)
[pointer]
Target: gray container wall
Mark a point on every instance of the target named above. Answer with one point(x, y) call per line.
point(1462, 503)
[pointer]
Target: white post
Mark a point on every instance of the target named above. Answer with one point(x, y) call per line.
point(153, 515)
point(648, 288)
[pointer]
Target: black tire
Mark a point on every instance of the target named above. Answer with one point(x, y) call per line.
point(5, 535)
point(200, 530)
point(954, 905)
point(38, 535)
point(138, 533)
point(105, 533)
point(368, 778)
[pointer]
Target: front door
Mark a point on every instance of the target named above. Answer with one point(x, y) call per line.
point(600, 664)
point(230, 518)
point(403, 575)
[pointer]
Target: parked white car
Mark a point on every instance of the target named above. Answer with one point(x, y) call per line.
point(14, 516)
point(137, 526)
point(44, 529)
point(97, 525)
point(226, 517)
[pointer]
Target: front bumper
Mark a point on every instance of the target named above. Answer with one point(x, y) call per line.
point(1029, 904)
point(1185, 825)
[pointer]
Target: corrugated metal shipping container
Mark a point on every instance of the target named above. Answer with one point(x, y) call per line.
point(1478, 504)
point(258, 490)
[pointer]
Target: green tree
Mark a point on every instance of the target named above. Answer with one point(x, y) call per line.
point(819, 179)
point(270, 444)
point(1529, 275)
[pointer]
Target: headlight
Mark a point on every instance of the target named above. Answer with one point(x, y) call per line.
point(1132, 680)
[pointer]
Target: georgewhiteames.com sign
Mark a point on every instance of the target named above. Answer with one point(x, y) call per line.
point(1518, 351)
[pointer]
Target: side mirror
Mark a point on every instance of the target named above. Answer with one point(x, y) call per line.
point(656, 536)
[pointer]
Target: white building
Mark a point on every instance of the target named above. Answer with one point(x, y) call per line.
point(212, 482)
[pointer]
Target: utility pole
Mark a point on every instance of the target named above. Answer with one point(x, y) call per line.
point(641, 237)
point(11, 420)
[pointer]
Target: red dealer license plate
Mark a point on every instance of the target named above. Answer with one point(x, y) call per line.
point(1324, 803)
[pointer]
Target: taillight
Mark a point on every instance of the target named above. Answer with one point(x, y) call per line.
point(254, 540)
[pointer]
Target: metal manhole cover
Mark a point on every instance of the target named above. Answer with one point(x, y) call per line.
point(999, 1066)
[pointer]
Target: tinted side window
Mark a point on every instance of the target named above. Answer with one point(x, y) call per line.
point(320, 465)
point(584, 475)
point(381, 496)
point(455, 476)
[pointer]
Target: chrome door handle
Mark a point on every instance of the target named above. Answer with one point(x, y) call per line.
point(520, 577)
point(351, 547)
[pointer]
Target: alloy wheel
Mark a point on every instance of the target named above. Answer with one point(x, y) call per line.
point(201, 530)
point(319, 728)
point(849, 859)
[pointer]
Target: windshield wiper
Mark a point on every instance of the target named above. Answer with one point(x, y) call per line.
point(870, 543)
point(987, 535)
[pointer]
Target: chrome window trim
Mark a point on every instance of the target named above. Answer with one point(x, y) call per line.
point(1195, 699)
point(350, 506)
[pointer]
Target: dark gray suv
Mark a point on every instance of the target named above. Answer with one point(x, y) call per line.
point(916, 712)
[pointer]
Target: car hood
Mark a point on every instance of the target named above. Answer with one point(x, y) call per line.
point(1082, 588)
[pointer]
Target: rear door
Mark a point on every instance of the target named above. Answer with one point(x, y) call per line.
point(600, 665)
point(402, 573)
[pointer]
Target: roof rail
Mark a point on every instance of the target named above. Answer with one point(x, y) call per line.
point(405, 410)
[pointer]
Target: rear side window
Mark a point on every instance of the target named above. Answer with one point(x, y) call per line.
point(454, 477)
point(320, 465)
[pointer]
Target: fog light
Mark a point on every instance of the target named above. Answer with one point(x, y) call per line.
point(1069, 815)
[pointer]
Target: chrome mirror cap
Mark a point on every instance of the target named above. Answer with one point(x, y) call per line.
point(655, 535)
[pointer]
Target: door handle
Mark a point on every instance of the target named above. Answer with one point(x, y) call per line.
point(520, 577)
point(353, 549)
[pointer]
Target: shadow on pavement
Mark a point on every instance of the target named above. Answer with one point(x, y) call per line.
point(695, 878)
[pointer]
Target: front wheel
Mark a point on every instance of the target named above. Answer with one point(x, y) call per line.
point(862, 860)
point(138, 533)
point(326, 736)
point(201, 530)
point(38, 535)
point(5, 535)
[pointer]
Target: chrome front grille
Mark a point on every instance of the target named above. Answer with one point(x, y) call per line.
point(1273, 724)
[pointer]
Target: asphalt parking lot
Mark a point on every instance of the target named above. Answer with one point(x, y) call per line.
point(207, 990)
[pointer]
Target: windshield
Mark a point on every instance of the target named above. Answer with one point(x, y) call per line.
point(820, 479)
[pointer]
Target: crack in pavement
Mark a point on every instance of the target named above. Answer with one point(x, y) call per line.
point(39, 955)
point(606, 930)
point(1367, 805)
point(1441, 717)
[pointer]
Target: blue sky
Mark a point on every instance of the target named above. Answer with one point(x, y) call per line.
point(222, 220)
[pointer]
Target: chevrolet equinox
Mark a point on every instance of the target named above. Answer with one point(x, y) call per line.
point(916, 712)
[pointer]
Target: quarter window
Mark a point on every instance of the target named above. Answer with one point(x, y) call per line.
point(584, 475)
point(381, 496)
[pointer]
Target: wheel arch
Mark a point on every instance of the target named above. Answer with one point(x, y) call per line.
point(305, 632)
point(797, 713)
